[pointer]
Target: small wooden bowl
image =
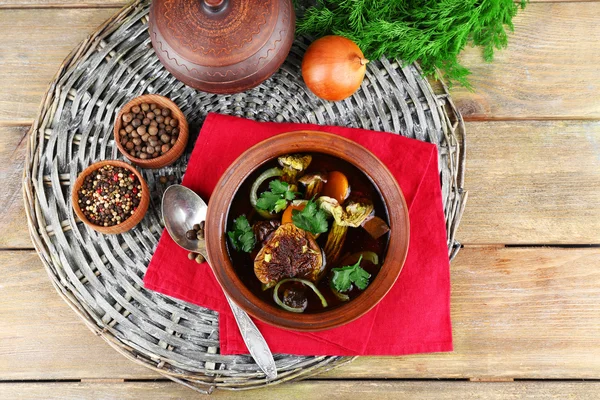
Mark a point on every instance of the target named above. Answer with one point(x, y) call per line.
point(129, 222)
point(310, 142)
point(178, 148)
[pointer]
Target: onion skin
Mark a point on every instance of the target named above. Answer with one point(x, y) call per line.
point(333, 67)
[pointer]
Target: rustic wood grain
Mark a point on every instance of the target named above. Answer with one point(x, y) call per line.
point(34, 44)
point(41, 337)
point(517, 313)
point(550, 69)
point(13, 145)
point(529, 182)
point(33, 4)
point(317, 390)
point(532, 182)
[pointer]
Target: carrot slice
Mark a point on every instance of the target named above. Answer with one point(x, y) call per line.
point(287, 214)
point(337, 186)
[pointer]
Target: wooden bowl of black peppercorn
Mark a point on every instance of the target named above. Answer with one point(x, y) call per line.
point(151, 131)
point(110, 196)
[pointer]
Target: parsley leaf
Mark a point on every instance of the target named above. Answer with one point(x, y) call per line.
point(278, 187)
point(345, 276)
point(310, 219)
point(242, 236)
point(275, 200)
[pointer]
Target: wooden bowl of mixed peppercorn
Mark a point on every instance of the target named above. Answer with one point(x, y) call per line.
point(151, 131)
point(110, 196)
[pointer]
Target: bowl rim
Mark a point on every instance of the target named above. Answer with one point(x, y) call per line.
point(130, 222)
point(295, 142)
point(174, 152)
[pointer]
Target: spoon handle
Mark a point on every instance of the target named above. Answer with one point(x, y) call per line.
point(258, 347)
point(255, 342)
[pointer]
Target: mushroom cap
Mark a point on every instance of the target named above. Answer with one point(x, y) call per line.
point(298, 162)
point(290, 252)
point(311, 178)
point(353, 213)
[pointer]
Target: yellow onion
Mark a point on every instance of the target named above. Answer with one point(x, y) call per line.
point(333, 67)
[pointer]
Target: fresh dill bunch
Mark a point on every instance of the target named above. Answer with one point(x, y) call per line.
point(433, 32)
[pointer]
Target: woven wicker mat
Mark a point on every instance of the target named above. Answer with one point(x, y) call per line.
point(100, 277)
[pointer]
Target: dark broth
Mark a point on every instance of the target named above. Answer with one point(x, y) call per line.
point(357, 239)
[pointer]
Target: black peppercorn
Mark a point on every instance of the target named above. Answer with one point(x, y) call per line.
point(155, 126)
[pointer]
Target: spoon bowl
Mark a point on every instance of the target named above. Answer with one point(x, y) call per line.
point(182, 208)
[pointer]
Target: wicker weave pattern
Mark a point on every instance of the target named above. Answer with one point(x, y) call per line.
point(100, 277)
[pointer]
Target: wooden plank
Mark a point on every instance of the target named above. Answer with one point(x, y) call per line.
point(34, 45)
point(41, 337)
point(532, 182)
point(317, 390)
point(29, 4)
point(80, 4)
point(13, 144)
point(517, 313)
point(529, 182)
point(550, 69)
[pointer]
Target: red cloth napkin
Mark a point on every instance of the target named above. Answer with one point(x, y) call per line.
point(414, 317)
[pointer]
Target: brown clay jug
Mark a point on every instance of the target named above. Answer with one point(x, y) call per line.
point(222, 46)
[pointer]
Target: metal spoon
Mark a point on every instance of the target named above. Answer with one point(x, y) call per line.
point(181, 209)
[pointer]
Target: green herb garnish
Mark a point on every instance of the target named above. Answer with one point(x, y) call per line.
point(311, 218)
point(344, 277)
point(242, 236)
point(432, 32)
point(275, 200)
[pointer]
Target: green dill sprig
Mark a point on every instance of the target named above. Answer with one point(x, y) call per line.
point(433, 32)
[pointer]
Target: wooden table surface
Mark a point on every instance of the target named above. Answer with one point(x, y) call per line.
point(525, 288)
